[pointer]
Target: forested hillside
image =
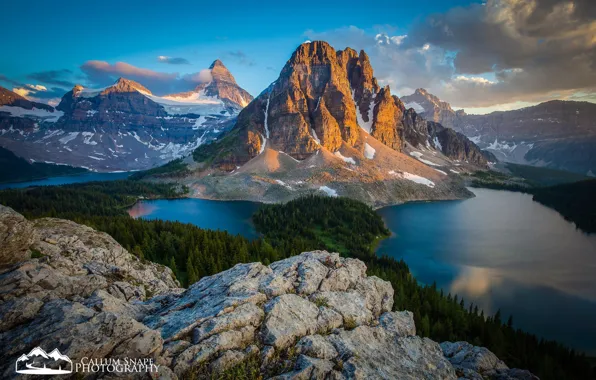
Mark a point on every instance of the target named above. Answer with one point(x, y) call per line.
point(575, 201)
point(17, 169)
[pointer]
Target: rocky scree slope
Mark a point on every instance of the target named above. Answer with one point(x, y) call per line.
point(312, 316)
point(123, 126)
point(556, 134)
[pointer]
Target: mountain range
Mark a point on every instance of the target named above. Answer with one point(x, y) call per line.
point(556, 134)
point(120, 127)
point(325, 125)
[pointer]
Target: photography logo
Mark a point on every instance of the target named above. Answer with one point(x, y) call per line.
point(39, 362)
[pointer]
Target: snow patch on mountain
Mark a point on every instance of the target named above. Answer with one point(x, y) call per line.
point(417, 107)
point(34, 113)
point(369, 151)
point(414, 178)
point(349, 160)
point(329, 191)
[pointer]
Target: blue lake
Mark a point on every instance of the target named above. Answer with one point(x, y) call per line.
point(78, 178)
point(234, 217)
point(501, 250)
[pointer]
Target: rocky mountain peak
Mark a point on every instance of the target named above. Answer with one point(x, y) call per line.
point(125, 85)
point(223, 86)
point(220, 72)
point(8, 97)
point(431, 107)
point(11, 98)
point(322, 98)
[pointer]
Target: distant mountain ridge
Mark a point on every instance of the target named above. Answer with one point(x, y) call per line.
point(120, 127)
point(557, 134)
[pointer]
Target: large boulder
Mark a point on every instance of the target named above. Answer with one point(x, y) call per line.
point(16, 235)
point(472, 362)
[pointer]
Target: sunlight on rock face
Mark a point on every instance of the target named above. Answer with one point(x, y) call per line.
point(475, 281)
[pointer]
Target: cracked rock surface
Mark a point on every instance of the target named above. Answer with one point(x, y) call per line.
point(311, 316)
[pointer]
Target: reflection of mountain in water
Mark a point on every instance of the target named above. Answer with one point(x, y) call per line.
point(141, 209)
point(38, 362)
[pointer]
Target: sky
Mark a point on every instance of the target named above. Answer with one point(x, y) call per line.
point(480, 56)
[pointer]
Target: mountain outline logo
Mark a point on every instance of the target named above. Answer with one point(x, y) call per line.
point(39, 362)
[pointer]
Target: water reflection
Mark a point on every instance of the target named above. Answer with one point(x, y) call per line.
point(501, 250)
point(141, 209)
point(475, 282)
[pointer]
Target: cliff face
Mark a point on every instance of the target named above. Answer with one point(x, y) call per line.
point(432, 108)
point(322, 99)
point(315, 315)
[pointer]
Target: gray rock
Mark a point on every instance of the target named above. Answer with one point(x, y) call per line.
point(18, 311)
point(316, 346)
point(372, 352)
point(16, 235)
point(345, 277)
point(401, 323)
point(227, 360)
point(473, 362)
point(351, 305)
point(244, 315)
point(289, 317)
point(309, 368)
point(200, 353)
point(477, 359)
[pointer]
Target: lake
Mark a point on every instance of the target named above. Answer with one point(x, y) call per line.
point(501, 250)
point(64, 180)
point(231, 216)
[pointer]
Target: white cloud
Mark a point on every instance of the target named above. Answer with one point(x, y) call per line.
point(37, 87)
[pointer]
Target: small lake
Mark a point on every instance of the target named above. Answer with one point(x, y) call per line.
point(501, 250)
point(231, 216)
point(65, 180)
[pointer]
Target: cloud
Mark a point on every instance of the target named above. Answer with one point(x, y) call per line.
point(37, 87)
point(101, 73)
point(240, 57)
point(482, 55)
point(54, 77)
point(29, 89)
point(40, 93)
point(173, 60)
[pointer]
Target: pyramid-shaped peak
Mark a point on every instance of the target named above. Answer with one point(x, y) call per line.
point(217, 63)
point(219, 72)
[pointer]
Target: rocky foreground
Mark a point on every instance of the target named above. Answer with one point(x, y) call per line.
point(312, 316)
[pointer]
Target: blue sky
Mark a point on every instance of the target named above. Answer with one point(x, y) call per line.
point(254, 39)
